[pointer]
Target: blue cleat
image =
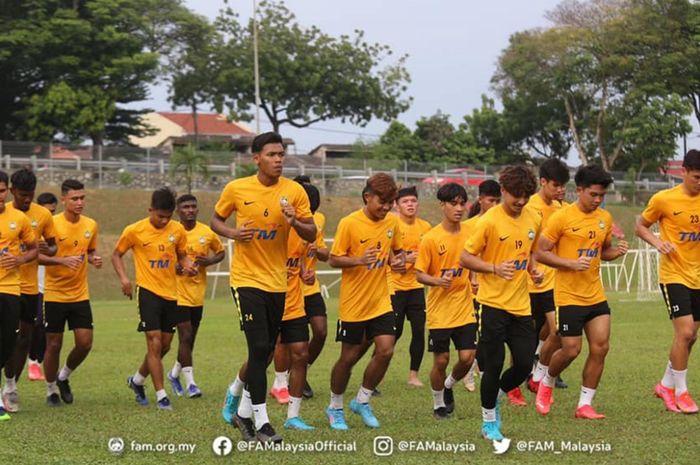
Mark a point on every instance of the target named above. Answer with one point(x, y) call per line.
point(193, 391)
point(298, 424)
point(336, 417)
point(491, 431)
point(498, 414)
point(141, 398)
point(164, 404)
point(365, 411)
point(230, 407)
point(4, 416)
point(175, 384)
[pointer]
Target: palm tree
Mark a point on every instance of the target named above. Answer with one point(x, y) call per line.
point(190, 163)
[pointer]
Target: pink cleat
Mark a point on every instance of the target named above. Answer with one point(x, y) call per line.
point(668, 396)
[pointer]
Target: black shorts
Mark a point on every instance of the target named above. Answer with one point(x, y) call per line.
point(183, 314)
point(77, 314)
point(541, 303)
point(28, 304)
point(353, 332)
point(296, 330)
point(258, 309)
point(681, 300)
point(409, 304)
point(499, 326)
point(314, 305)
point(463, 337)
point(9, 311)
point(155, 312)
point(572, 318)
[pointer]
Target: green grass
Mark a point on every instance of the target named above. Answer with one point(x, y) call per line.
point(637, 428)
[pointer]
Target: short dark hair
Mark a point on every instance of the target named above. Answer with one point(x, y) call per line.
point(382, 185)
point(555, 170)
point(46, 198)
point(313, 194)
point(302, 178)
point(4, 178)
point(691, 160)
point(407, 192)
point(450, 191)
point(186, 198)
point(518, 181)
point(71, 185)
point(592, 175)
point(490, 188)
point(24, 180)
point(261, 140)
point(163, 198)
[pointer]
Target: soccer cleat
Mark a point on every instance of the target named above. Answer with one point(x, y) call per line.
point(34, 372)
point(164, 404)
point(686, 404)
point(491, 431)
point(336, 418)
point(298, 424)
point(230, 407)
point(3, 414)
point(469, 383)
point(668, 395)
point(440, 413)
point(176, 385)
point(515, 397)
point(307, 393)
point(64, 389)
point(245, 426)
point(560, 383)
point(586, 412)
point(53, 400)
point(140, 391)
point(543, 401)
point(267, 433)
point(11, 401)
point(532, 385)
point(281, 395)
point(449, 400)
point(365, 411)
point(193, 391)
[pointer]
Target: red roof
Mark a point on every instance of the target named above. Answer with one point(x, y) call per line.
point(673, 168)
point(209, 124)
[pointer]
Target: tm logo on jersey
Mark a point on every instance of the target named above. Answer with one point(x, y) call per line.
point(293, 262)
point(454, 272)
point(377, 265)
point(690, 236)
point(520, 264)
point(159, 264)
point(265, 235)
point(591, 253)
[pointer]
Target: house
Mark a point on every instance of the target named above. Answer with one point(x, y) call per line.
point(325, 151)
point(673, 168)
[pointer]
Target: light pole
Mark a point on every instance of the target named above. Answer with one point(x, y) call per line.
point(256, 69)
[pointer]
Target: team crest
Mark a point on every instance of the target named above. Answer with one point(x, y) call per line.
point(202, 240)
point(87, 234)
point(171, 238)
point(35, 224)
point(531, 234)
point(284, 201)
point(13, 226)
point(601, 224)
point(390, 233)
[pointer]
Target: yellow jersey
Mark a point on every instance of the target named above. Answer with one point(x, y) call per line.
point(364, 289)
point(311, 259)
point(294, 298)
point(200, 240)
point(438, 256)
point(42, 225)
point(577, 234)
point(411, 235)
point(678, 215)
point(72, 239)
point(540, 207)
point(15, 230)
point(155, 254)
point(470, 224)
point(261, 263)
point(499, 237)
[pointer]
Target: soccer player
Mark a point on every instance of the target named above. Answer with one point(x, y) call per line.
point(574, 241)
point(17, 247)
point(554, 175)
point(450, 307)
point(38, 345)
point(361, 249)
point(499, 249)
point(23, 185)
point(190, 291)
point(267, 206)
point(408, 299)
point(67, 296)
point(158, 245)
point(677, 210)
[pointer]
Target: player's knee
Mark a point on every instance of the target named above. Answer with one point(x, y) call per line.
point(384, 353)
point(320, 333)
point(300, 356)
point(259, 349)
point(571, 351)
point(54, 345)
point(687, 335)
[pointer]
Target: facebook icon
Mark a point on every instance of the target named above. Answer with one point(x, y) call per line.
point(222, 446)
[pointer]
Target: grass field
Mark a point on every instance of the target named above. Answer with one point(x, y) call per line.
point(637, 429)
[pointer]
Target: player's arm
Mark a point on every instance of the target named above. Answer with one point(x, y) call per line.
point(94, 259)
point(48, 246)
point(346, 261)
point(120, 268)
point(643, 231)
point(544, 253)
point(210, 260)
point(425, 278)
point(9, 261)
point(397, 261)
point(505, 270)
point(305, 227)
point(610, 253)
point(242, 234)
point(323, 253)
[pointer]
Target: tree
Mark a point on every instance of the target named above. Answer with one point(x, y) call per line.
point(494, 133)
point(307, 76)
point(186, 161)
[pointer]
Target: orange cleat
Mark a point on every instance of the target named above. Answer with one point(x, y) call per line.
point(686, 404)
point(515, 397)
point(543, 401)
point(280, 394)
point(668, 396)
point(532, 385)
point(34, 372)
point(586, 412)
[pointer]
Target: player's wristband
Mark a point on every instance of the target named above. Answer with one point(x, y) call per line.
point(494, 268)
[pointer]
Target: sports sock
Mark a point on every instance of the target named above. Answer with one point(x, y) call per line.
point(679, 380)
point(586, 397)
point(65, 373)
point(293, 407)
point(161, 394)
point(280, 380)
point(488, 414)
point(549, 380)
point(667, 380)
point(245, 408)
point(51, 388)
point(540, 372)
point(175, 372)
point(364, 395)
point(336, 401)
point(138, 379)
point(236, 388)
point(450, 381)
point(438, 398)
point(260, 415)
point(188, 375)
point(10, 385)
point(540, 343)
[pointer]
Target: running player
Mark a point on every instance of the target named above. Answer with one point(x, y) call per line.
point(17, 247)
point(267, 206)
point(499, 248)
point(677, 210)
point(574, 241)
point(23, 185)
point(408, 300)
point(67, 296)
point(450, 307)
point(361, 249)
point(190, 292)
